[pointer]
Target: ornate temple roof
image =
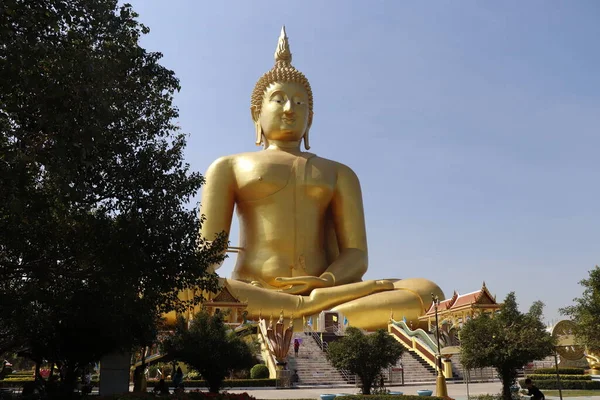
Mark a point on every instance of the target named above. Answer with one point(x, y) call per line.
point(224, 298)
point(481, 298)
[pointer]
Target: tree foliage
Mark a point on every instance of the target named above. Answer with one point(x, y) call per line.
point(96, 238)
point(365, 355)
point(506, 341)
point(586, 312)
point(210, 348)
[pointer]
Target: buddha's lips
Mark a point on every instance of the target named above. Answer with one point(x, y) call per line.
point(288, 121)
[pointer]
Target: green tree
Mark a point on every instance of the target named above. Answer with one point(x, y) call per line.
point(365, 355)
point(586, 312)
point(506, 341)
point(210, 348)
point(96, 235)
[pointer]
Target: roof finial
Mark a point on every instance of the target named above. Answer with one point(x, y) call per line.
point(282, 53)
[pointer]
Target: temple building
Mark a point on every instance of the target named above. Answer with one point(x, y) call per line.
point(226, 302)
point(455, 311)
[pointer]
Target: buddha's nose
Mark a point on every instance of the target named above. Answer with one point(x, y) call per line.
point(288, 107)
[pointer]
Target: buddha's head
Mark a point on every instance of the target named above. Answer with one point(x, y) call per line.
point(282, 101)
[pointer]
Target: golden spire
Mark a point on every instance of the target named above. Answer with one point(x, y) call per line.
point(283, 54)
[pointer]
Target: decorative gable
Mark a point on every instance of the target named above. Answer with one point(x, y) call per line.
point(225, 296)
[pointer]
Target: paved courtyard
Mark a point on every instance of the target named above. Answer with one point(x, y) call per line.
point(456, 391)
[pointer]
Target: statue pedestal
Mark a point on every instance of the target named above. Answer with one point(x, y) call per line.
point(440, 385)
point(284, 378)
point(114, 374)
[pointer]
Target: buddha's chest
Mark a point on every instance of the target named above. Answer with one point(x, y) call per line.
point(301, 177)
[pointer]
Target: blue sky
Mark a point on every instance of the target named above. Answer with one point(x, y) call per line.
point(473, 126)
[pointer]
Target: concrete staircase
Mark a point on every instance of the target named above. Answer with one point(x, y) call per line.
point(415, 369)
point(312, 365)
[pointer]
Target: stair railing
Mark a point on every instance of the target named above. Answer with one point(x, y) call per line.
point(268, 353)
point(347, 375)
point(417, 341)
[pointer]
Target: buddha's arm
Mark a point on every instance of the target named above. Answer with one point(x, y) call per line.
point(349, 221)
point(218, 199)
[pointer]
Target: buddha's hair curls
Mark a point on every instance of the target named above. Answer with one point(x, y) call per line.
point(283, 71)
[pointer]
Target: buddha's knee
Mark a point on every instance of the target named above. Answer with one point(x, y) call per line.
point(410, 299)
point(422, 287)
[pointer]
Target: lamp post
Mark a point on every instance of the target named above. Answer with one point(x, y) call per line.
point(440, 381)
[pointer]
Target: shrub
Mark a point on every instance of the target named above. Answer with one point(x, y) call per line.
point(193, 375)
point(565, 384)
point(259, 371)
point(561, 371)
point(182, 396)
point(486, 397)
point(231, 383)
point(549, 377)
point(389, 397)
point(20, 382)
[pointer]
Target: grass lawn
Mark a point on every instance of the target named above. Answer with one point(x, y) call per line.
point(572, 393)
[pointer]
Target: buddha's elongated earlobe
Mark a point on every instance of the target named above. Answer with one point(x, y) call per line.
point(305, 137)
point(255, 112)
point(259, 133)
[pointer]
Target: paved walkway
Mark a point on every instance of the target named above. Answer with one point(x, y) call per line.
point(457, 391)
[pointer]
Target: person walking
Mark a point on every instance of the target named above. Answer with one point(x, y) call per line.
point(296, 347)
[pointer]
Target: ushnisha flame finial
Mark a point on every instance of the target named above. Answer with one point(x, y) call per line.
point(282, 71)
point(282, 53)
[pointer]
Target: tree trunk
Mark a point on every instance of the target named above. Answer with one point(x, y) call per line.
point(139, 375)
point(508, 378)
point(37, 371)
point(69, 382)
point(214, 386)
point(366, 386)
point(506, 394)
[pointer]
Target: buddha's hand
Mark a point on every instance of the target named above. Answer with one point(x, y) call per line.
point(302, 284)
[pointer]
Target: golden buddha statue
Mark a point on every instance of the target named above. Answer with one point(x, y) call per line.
point(303, 243)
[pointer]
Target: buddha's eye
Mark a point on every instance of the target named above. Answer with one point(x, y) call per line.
point(299, 102)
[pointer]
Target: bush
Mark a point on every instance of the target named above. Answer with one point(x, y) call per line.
point(561, 371)
point(231, 383)
point(486, 397)
point(259, 371)
point(193, 375)
point(565, 384)
point(180, 396)
point(389, 397)
point(19, 382)
point(549, 377)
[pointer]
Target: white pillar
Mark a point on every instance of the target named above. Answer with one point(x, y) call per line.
point(114, 374)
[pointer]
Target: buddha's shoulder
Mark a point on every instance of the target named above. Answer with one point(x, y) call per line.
point(231, 160)
point(261, 157)
point(339, 167)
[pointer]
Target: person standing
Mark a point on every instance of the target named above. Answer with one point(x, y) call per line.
point(296, 347)
point(178, 378)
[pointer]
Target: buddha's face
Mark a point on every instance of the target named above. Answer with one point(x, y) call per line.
point(284, 112)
